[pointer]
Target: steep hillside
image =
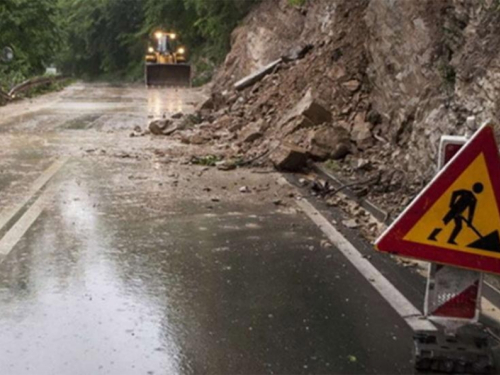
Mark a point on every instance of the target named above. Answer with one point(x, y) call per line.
point(395, 76)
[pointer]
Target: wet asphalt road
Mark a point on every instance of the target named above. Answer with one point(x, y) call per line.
point(137, 264)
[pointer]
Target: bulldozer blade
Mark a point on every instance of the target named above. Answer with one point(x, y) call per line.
point(175, 75)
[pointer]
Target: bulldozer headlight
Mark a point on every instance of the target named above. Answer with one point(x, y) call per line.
point(181, 51)
point(151, 49)
point(158, 35)
point(173, 36)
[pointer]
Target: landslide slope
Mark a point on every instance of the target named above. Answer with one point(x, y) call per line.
point(395, 74)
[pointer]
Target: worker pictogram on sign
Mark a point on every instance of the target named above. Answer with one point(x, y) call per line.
point(461, 201)
point(456, 219)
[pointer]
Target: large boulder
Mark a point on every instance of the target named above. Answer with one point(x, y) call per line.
point(329, 142)
point(297, 123)
point(310, 108)
point(288, 157)
point(163, 127)
point(157, 127)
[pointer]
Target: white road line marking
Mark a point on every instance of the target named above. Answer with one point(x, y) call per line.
point(411, 315)
point(489, 310)
point(15, 233)
point(495, 289)
point(9, 213)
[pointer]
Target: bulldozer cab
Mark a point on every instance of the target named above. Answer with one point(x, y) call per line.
point(166, 62)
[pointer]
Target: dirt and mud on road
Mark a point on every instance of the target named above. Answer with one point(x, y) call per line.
point(121, 254)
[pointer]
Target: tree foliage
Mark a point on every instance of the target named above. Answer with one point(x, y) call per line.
point(31, 29)
point(95, 38)
point(100, 35)
point(110, 36)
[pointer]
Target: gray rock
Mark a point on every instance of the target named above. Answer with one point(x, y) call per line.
point(289, 157)
point(352, 85)
point(361, 133)
point(310, 108)
point(298, 53)
point(252, 132)
point(351, 223)
point(156, 127)
point(297, 123)
point(330, 142)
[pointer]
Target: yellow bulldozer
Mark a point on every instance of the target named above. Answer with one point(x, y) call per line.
point(166, 62)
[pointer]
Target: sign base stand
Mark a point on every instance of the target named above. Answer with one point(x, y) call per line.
point(453, 300)
point(453, 354)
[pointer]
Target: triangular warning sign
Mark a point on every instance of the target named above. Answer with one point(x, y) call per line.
point(456, 219)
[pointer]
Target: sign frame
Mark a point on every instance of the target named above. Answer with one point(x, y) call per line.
point(392, 240)
point(452, 295)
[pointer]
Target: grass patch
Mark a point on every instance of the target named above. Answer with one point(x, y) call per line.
point(332, 165)
point(208, 160)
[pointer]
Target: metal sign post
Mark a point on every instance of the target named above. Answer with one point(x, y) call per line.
point(453, 295)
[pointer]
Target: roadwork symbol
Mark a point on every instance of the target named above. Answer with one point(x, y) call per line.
point(464, 202)
point(456, 219)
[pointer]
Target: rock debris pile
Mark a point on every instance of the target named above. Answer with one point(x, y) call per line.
point(367, 87)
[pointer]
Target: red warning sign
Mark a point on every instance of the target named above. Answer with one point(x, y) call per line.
point(456, 219)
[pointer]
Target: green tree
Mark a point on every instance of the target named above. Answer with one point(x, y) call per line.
point(30, 28)
point(92, 38)
point(101, 36)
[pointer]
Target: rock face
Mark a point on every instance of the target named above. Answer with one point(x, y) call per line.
point(268, 23)
point(395, 74)
point(447, 71)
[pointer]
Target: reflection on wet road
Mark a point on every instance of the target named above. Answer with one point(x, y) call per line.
point(132, 268)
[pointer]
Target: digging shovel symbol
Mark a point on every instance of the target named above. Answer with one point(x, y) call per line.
point(471, 226)
point(490, 242)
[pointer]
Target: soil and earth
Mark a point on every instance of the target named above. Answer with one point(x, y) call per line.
point(367, 87)
point(139, 255)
